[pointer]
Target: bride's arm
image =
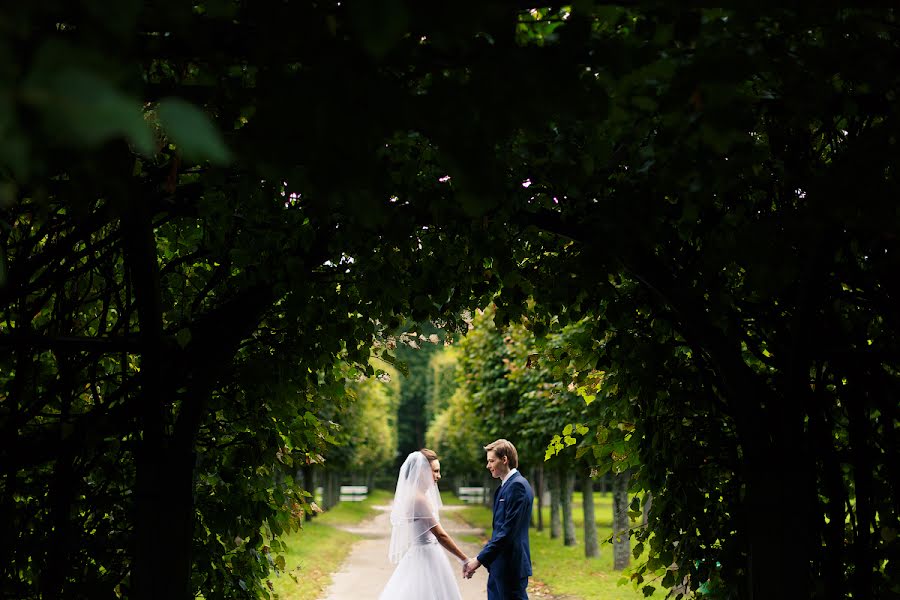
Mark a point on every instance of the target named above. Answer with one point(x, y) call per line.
point(447, 542)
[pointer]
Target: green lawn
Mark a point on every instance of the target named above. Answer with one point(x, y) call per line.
point(317, 551)
point(564, 570)
point(449, 498)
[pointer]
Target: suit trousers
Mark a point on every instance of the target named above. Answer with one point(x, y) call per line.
point(507, 590)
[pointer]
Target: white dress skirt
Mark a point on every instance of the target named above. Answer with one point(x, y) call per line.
point(424, 573)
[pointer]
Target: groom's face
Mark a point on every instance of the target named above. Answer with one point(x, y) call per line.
point(497, 466)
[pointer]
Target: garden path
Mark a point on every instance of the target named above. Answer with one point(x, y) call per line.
point(367, 568)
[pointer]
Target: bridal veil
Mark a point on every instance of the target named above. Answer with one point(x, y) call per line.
point(417, 504)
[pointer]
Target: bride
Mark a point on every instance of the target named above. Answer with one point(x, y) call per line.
point(423, 570)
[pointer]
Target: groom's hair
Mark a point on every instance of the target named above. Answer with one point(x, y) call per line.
point(505, 448)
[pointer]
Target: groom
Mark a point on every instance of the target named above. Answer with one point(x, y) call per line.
point(507, 555)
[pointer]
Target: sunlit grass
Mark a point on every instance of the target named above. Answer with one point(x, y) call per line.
point(317, 551)
point(449, 498)
point(351, 513)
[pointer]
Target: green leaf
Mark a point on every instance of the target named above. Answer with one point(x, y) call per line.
point(379, 24)
point(567, 430)
point(2, 265)
point(667, 557)
point(669, 579)
point(637, 550)
point(645, 103)
point(648, 590)
point(87, 109)
point(183, 337)
point(192, 131)
point(581, 429)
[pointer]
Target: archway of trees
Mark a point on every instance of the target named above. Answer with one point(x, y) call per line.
point(213, 215)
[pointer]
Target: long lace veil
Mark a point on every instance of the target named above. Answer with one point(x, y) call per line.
point(417, 504)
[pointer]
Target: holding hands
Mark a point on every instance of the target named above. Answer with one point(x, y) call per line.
point(469, 567)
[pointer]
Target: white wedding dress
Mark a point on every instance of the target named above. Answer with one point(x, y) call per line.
point(424, 573)
point(423, 569)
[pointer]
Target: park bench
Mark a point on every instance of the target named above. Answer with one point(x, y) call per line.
point(353, 493)
point(472, 495)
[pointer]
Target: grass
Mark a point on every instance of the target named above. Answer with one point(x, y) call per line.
point(450, 499)
point(317, 550)
point(564, 571)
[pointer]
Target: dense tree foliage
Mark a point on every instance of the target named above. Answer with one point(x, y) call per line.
point(455, 428)
point(735, 245)
point(183, 310)
point(512, 386)
point(365, 437)
point(710, 191)
point(414, 351)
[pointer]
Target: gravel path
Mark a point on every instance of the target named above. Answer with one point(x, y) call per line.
point(367, 569)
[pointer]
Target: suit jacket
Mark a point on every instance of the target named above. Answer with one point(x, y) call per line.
point(508, 555)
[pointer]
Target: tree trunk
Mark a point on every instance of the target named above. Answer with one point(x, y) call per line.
point(539, 482)
point(163, 524)
point(779, 540)
point(645, 510)
point(60, 495)
point(821, 434)
point(330, 490)
point(862, 582)
point(591, 546)
point(771, 432)
point(569, 538)
point(309, 484)
point(489, 491)
point(621, 522)
point(555, 499)
point(163, 509)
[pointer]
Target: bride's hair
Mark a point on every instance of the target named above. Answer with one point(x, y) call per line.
point(505, 448)
point(431, 455)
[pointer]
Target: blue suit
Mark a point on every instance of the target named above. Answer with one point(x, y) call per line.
point(507, 555)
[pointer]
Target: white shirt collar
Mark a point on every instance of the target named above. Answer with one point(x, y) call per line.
point(508, 475)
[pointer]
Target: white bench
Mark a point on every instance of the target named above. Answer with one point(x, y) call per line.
point(472, 495)
point(353, 493)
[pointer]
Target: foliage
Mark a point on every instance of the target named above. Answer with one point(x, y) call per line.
point(517, 386)
point(483, 366)
point(443, 365)
point(414, 350)
point(186, 292)
point(367, 438)
point(457, 435)
point(711, 191)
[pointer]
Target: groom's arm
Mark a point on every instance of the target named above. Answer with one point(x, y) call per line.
point(516, 504)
